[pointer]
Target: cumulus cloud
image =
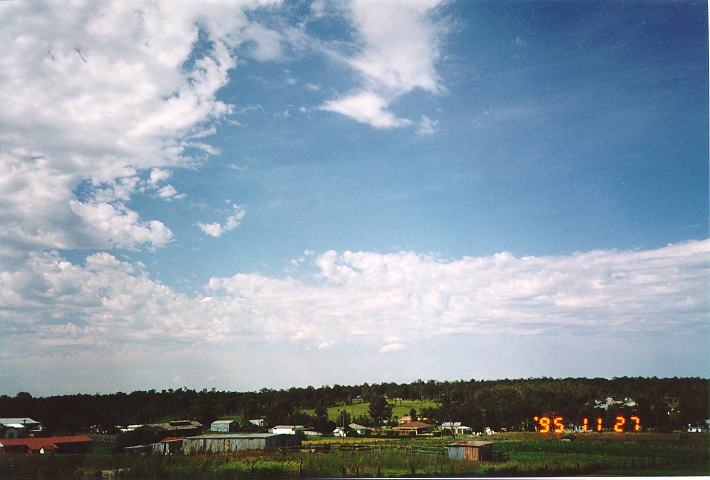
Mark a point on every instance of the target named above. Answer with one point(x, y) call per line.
point(231, 222)
point(381, 301)
point(114, 224)
point(169, 192)
point(94, 93)
point(158, 175)
point(390, 62)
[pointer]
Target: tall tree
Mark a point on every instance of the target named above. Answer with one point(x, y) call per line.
point(380, 410)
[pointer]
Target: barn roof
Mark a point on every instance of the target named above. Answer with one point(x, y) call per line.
point(234, 436)
point(413, 425)
point(470, 444)
point(18, 420)
point(48, 443)
point(356, 426)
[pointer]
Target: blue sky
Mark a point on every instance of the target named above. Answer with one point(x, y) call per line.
point(305, 180)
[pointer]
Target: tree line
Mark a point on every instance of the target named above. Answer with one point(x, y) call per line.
point(661, 403)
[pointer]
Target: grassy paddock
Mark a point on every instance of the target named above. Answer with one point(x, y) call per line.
point(520, 455)
point(399, 408)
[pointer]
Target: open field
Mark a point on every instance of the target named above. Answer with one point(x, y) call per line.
point(399, 408)
point(519, 454)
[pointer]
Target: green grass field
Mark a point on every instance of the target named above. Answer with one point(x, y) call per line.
point(518, 454)
point(399, 408)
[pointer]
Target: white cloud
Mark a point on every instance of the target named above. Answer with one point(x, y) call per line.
point(366, 107)
point(365, 299)
point(94, 94)
point(114, 224)
point(392, 347)
point(392, 61)
point(267, 43)
point(231, 222)
point(158, 175)
point(427, 126)
point(168, 192)
point(397, 59)
point(211, 229)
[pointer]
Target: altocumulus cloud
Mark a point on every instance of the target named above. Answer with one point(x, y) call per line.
point(362, 298)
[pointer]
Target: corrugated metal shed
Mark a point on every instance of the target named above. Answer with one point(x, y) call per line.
point(236, 442)
point(473, 451)
point(223, 426)
point(168, 446)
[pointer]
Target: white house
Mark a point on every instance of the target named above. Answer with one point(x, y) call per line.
point(456, 427)
point(287, 429)
point(359, 429)
point(339, 432)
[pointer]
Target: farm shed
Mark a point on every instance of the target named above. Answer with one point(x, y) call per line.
point(225, 426)
point(19, 427)
point(473, 451)
point(67, 444)
point(259, 422)
point(168, 446)
point(178, 428)
point(237, 442)
point(288, 429)
point(139, 449)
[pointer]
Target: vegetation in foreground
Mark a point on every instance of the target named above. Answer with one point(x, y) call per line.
point(519, 455)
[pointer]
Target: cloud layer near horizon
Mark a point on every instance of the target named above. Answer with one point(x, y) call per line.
point(385, 301)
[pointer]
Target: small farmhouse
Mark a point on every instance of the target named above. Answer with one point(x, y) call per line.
point(359, 429)
point(472, 451)
point(339, 432)
point(286, 429)
point(456, 428)
point(417, 428)
point(19, 427)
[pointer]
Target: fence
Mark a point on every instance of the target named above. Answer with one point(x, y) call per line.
point(363, 447)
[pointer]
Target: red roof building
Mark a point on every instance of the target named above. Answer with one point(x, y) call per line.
point(416, 427)
point(66, 444)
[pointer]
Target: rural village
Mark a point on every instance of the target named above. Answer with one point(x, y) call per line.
point(375, 428)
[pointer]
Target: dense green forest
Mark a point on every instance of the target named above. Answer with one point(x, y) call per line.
point(661, 403)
